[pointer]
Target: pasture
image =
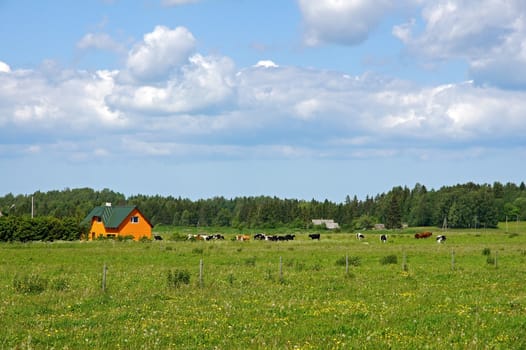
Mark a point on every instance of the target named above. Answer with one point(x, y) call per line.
point(336, 293)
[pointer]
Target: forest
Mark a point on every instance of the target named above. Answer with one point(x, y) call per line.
point(459, 206)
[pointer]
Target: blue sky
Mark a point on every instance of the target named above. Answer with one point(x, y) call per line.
point(289, 98)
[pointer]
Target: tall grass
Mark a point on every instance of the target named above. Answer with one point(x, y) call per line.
point(243, 304)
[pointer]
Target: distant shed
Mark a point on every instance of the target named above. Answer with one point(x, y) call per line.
point(329, 223)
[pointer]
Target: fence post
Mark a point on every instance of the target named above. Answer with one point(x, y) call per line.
point(452, 259)
point(496, 255)
point(104, 269)
point(404, 261)
point(201, 273)
point(280, 269)
point(347, 264)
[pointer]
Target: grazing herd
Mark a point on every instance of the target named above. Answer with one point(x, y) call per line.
point(264, 237)
point(201, 237)
point(289, 237)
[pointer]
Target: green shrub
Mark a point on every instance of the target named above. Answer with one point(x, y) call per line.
point(353, 261)
point(230, 279)
point(198, 251)
point(60, 284)
point(486, 251)
point(299, 266)
point(250, 261)
point(177, 278)
point(389, 259)
point(179, 237)
point(30, 284)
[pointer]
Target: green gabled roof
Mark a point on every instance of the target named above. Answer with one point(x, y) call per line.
point(111, 216)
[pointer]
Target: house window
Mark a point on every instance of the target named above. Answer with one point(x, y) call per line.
point(134, 219)
point(99, 219)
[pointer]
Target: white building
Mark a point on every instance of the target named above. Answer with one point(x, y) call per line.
point(330, 224)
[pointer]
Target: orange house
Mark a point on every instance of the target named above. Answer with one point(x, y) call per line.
point(120, 221)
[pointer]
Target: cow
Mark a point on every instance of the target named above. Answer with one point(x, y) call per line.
point(215, 236)
point(243, 238)
point(383, 238)
point(425, 234)
point(441, 239)
point(289, 237)
point(157, 238)
point(314, 236)
point(260, 236)
point(360, 236)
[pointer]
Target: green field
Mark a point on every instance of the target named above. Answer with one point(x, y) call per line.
point(468, 293)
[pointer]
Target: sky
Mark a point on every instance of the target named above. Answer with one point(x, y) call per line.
point(303, 99)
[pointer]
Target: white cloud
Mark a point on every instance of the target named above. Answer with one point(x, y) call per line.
point(266, 64)
point(159, 53)
point(202, 83)
point(31, 101)
point(4, 67)
point(307, 109)
point(99, 41)
point(322, 114)
point(177, 2)
point(203, 106)
point(490, 35)
point(341, 22)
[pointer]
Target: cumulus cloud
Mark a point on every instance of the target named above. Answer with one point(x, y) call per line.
point(266, 64)
point(203, 82)
point(204, 105)
point(4, 67)
point(99, 41)
point(334, 107)
point(341, 22)
point(159, 53)
point(490, 35)
point(177, 2)
point(29, 100)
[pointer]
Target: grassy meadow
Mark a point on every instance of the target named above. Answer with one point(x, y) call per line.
point(336, 293)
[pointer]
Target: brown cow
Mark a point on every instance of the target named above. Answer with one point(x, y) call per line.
point(243, 237)
point(425, 234)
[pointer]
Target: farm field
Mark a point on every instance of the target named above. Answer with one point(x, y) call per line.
point(336, 293)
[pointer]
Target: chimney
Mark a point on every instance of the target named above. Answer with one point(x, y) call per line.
point(108, 204)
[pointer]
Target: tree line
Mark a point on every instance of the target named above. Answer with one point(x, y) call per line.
point(459, 206)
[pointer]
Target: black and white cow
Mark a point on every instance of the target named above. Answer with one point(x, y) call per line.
point(260, 236)
point(383, 238)
point(314, 236)
point(441, 239)
point(217, 236)
point(360, 236)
